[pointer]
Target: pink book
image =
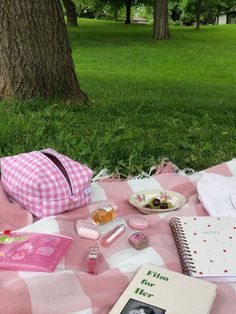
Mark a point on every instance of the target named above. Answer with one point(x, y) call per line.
point(31, 251)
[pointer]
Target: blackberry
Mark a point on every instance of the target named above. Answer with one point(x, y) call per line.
point(156, 202)
point(164, 205)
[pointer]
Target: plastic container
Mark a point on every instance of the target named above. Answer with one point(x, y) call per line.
point(104, 214)
point(86, 230)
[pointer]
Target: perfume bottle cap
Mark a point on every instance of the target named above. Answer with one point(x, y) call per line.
point(109, 206)
point(115, 207)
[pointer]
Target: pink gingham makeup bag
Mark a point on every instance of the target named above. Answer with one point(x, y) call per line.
point(46, 182)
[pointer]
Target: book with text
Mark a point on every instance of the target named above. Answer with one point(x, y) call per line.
point(156, 290)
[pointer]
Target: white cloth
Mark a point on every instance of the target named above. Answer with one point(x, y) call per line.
point(218, 194)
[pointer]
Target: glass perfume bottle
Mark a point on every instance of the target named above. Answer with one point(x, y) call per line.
point(92, 260)
point(104, 214)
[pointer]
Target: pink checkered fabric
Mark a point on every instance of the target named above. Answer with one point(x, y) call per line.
point(39, 185)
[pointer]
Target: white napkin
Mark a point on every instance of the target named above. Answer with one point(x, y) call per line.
point(218, 194)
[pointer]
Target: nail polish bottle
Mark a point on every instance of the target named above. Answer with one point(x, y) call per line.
point(138, 241)
point(104, 214)
point(92, 260)
point(112, 235)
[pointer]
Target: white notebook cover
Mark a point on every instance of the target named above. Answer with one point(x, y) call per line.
point(207, 246)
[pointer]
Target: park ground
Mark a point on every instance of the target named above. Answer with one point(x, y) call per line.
point(148, 100)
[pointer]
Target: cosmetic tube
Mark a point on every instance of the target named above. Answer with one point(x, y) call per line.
point(112, 235)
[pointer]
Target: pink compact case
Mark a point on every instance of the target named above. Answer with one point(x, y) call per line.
point(139, 223)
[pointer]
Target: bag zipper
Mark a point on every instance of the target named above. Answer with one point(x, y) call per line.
point(61, 167)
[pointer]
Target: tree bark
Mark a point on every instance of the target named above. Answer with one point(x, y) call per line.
point(115, 12)
point(160, 23)
point(71, 13)
point(198, 13)
point(35, 53)
point(128, 11)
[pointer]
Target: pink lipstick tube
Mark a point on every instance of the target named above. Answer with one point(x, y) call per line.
point(112, 235)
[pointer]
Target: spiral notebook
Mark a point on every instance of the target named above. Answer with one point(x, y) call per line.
point(206, 247)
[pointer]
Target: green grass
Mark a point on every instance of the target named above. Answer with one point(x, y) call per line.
point(148, 100)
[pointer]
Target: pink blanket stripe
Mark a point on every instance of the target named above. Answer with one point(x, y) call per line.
point(70, 289)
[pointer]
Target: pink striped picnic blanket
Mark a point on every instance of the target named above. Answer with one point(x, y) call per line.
point(69, 289)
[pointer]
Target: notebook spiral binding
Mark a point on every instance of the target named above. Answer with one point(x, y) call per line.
point(185, 256)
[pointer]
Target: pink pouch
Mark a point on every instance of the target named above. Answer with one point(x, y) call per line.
point(45, 182)
point(32, 251)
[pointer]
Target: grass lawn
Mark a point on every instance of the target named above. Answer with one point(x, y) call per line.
point(148, 100)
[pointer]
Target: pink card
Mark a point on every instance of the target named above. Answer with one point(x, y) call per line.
point(31, 251)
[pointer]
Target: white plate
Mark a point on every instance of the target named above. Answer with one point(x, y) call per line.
point(141, 198)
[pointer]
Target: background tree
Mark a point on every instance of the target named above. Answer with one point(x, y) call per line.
point(192, 9)
point(175, 9)
point(117, 4)
point(198, 7)
point(35, 54)
point(112, 9)
point(91, 8)
point(160, 22)
point(128, 4)
point(71, 12)
point(204, 11)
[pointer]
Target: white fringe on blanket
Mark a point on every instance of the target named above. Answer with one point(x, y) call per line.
point(165, 166)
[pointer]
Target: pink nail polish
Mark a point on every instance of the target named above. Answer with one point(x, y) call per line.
point(138, 240)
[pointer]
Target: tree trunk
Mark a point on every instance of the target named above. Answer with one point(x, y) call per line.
point(198, 13)
point(128, 11)
point(71, 13)
point(35, 53)
point(160, 23)
point(116, 9)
